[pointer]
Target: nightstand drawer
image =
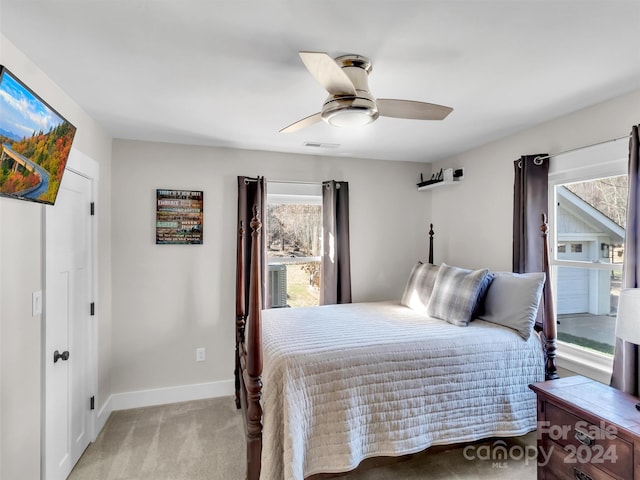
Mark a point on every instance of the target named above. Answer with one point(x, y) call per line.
point(562, 465)
point(584, 443)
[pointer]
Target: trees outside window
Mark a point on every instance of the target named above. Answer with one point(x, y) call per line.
point(294, 236)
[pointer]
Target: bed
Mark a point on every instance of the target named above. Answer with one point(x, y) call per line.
point(323, 388)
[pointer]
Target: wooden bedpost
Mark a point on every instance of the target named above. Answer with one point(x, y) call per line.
point(240, 313)
point(431, 243)
point(253, 372)
point(549, 327)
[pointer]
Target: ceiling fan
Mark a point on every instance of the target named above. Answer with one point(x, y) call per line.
point(349, 102)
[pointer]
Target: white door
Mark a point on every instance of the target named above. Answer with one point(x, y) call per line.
point(68, 254)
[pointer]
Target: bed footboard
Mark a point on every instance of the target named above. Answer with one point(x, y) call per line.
point(240, 313)
point(248, 369)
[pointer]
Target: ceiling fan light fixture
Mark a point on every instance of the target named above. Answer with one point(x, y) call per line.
point(349, 112)
point(351, 117)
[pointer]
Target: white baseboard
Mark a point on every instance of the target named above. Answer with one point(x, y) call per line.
point(161, 396)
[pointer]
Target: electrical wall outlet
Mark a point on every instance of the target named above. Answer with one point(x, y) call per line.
point(201, 354)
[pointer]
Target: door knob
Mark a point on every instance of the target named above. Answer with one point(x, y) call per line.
point(60, 356)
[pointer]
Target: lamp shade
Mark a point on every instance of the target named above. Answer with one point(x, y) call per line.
point(628, 321)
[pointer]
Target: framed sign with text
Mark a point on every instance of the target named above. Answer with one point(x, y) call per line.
point(179, 217)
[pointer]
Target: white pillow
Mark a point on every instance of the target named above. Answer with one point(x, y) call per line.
point(513, 299)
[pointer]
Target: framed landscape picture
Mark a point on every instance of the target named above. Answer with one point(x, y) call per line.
point(179, 217)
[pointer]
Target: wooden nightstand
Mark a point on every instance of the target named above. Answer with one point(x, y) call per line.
point(586, 431)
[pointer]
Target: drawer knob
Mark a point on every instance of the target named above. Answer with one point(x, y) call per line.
point(583, 438)
point(581, 475)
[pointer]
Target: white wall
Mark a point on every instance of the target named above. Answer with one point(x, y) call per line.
point(473, 220)
point(170, 299)
point(21, 259)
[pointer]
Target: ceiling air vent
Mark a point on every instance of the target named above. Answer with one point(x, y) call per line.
point(321, 145)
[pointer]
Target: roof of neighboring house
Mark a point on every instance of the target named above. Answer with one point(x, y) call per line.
point(590, 215)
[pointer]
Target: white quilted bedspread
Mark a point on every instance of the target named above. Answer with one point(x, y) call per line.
point(346, 382)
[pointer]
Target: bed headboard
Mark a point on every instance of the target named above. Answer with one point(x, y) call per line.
point(546, 323)
point(431, 243)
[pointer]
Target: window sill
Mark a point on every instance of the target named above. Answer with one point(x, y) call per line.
point(585, 362)
point(292, 260)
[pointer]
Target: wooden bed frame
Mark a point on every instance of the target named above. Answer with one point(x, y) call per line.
point(248, 351)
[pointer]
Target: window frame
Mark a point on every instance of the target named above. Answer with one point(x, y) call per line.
point(578, 166)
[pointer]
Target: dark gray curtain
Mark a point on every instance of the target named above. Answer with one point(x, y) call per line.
point(252, 191)
point(626, 364)
point(530, 201)
point(335, 279)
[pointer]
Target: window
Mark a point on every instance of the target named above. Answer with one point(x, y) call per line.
point(588, 192)
point(294, 236)
point(589, 224)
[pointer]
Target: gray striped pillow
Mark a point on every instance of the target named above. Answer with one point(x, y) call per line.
point(418, 290)
point(456, 293)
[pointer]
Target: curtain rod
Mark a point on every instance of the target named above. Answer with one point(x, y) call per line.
point(543, 157)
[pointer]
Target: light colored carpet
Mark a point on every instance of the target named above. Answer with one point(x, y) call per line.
point(199, 440)
point(204, 439)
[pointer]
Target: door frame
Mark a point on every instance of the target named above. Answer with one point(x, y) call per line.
point(84, 166)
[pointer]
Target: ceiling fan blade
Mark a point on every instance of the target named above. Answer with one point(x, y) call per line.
point(300, 124)
point(410, 109)
point(326, 71)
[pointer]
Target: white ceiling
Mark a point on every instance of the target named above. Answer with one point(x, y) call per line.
point(227, 73)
